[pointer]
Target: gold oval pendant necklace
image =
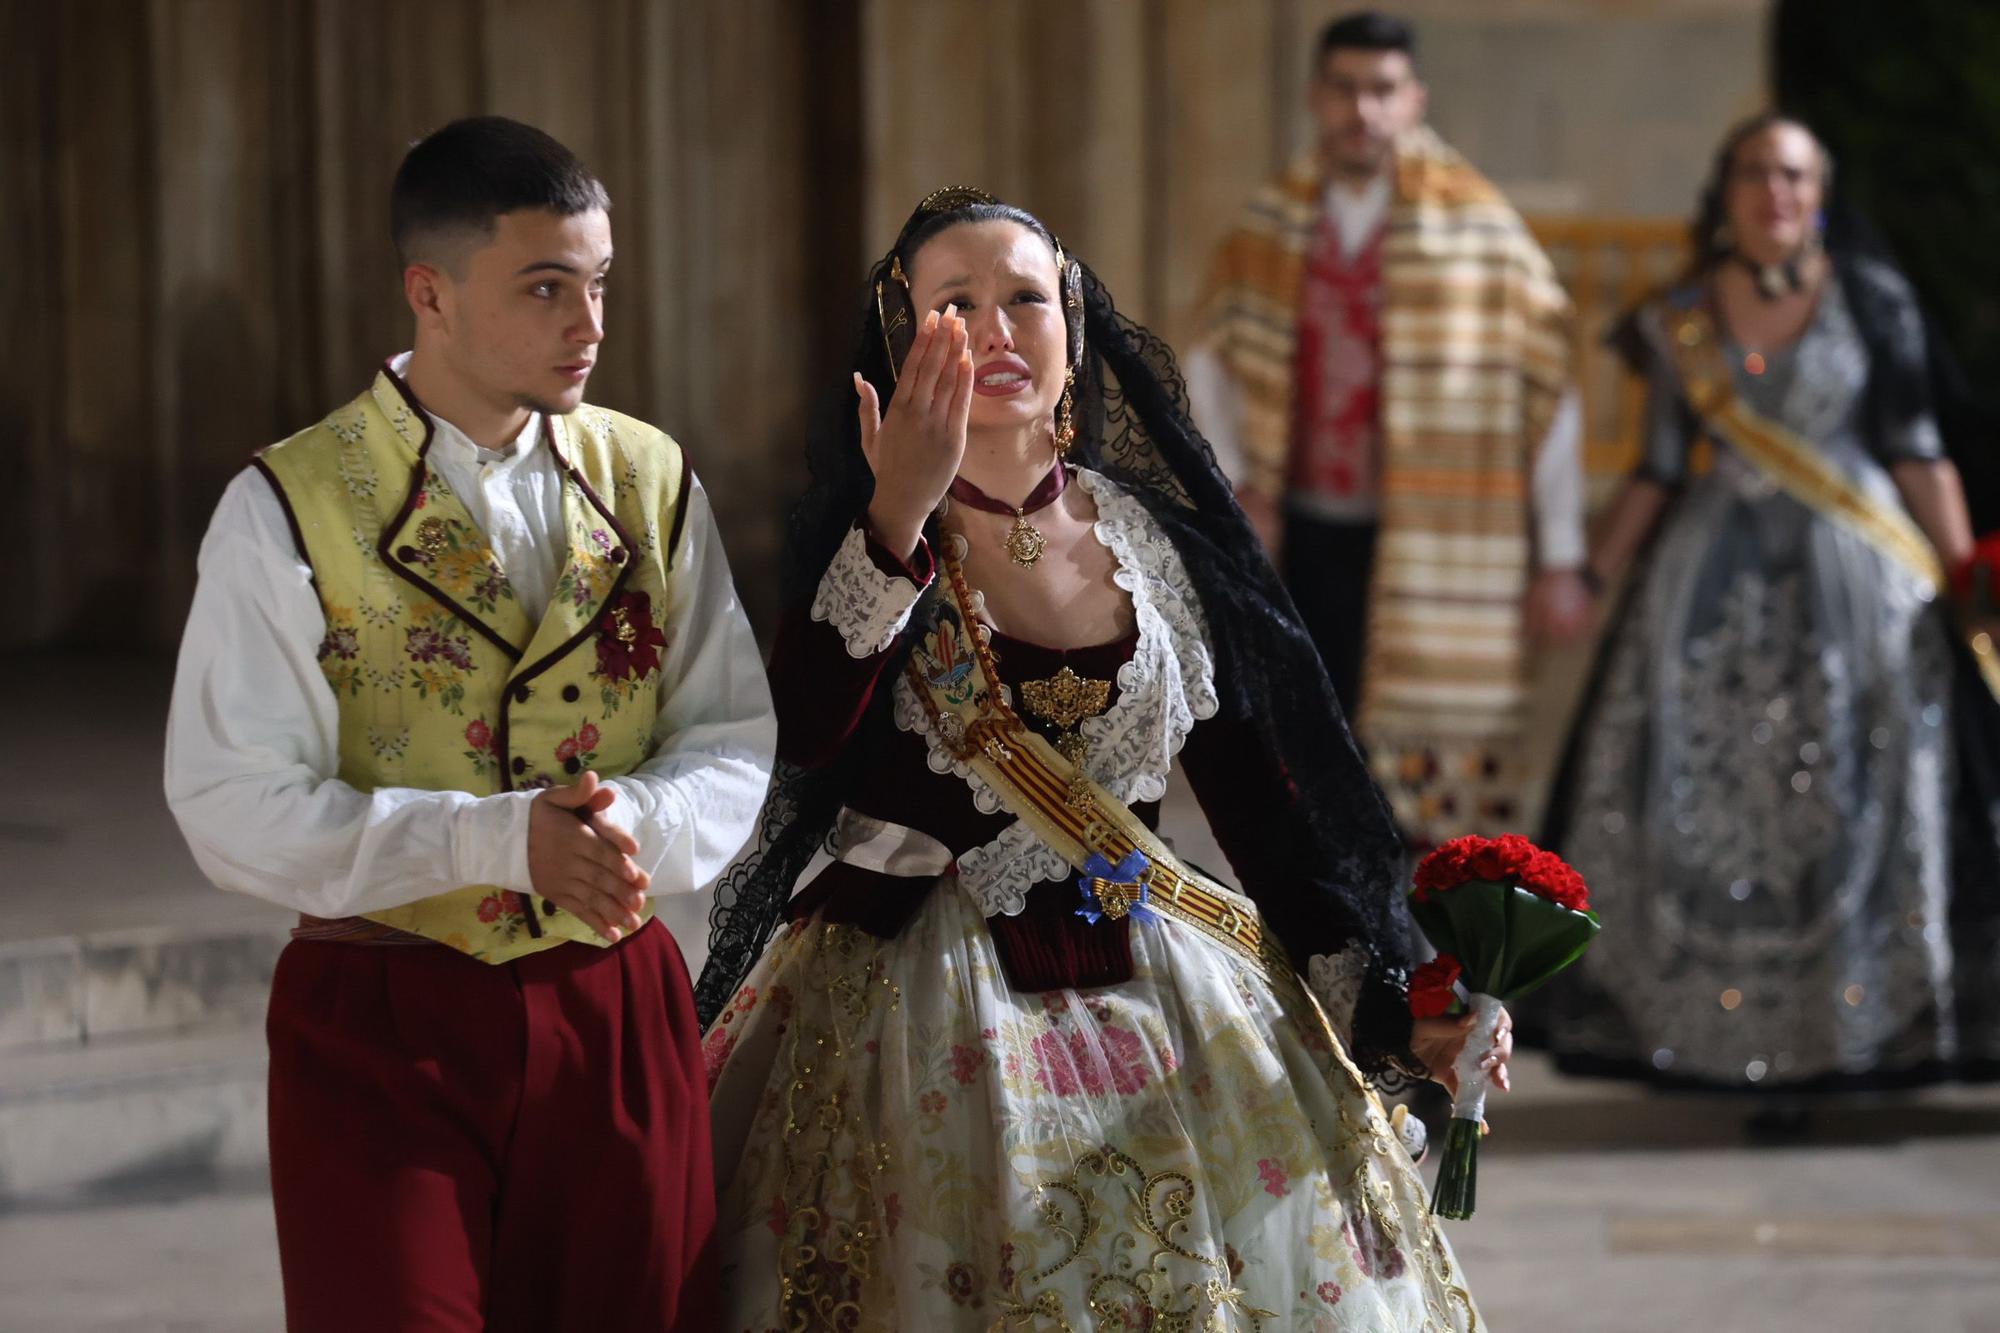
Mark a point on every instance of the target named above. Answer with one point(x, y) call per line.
point(1025, 542)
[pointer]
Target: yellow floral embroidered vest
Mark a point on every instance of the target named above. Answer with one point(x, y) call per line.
point(444, 681)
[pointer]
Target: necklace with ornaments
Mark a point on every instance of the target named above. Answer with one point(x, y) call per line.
point(1025, 542)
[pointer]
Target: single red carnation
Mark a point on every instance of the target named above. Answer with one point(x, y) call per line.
point(566, 749)
point(586, 737)
point(1502, 859)
point(1549, 876)
point(1447, 866)
point(478, 735)
point(1430, 987)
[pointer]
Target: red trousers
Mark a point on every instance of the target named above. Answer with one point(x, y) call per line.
point(462, 1146)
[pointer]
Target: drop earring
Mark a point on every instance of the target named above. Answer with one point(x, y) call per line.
point(1066, 416)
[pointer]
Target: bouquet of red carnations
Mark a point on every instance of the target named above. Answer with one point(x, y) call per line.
point(1504, 916)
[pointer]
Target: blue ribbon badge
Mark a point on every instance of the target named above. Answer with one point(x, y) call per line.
point(1112, 893)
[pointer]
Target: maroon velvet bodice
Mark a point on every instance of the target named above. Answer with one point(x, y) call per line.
point(823, 695)
point(1045, 947)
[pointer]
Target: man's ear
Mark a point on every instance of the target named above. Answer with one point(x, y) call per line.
point(427, 289)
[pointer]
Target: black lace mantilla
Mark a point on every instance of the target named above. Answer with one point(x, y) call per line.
point(1346, 859)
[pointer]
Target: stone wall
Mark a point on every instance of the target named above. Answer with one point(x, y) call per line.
point(201, 186)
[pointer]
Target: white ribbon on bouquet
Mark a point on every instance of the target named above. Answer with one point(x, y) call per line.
point(1470, 1101)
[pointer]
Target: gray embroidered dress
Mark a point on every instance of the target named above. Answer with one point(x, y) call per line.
point(1759, 791)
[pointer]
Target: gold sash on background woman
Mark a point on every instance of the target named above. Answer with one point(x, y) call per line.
point(1799, 469)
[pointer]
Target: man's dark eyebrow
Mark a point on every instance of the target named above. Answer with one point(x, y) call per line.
point(557, 266)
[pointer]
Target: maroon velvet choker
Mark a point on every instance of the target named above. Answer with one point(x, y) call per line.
point(1024, 542)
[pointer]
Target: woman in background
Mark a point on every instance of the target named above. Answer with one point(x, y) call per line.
point(1763, 791)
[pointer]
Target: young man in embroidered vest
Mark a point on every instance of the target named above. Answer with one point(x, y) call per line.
point(1383, 372)
point(466, 682)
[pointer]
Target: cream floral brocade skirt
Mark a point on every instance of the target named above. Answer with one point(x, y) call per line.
point(905, 1143)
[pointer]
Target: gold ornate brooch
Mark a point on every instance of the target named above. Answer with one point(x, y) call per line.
point(1064, 700)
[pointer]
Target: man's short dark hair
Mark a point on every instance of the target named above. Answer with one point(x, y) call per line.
point(1366, 30)
point(456, 183)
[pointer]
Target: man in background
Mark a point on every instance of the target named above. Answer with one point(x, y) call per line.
point(1384, 372)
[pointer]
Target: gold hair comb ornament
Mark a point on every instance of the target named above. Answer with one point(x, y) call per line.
point(953, 197)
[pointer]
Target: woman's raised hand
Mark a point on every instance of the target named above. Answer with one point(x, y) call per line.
point(915, 451)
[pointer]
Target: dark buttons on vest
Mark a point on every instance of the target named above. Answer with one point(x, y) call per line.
point(571, 694)
point(406, 554)
point(548, 908)
point(617, 555)
point(521, 693)
point(520, 765)
point(571, 764)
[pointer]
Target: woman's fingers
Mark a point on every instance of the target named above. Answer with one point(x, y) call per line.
point(919, 378)
point(951, 347)
point(913, 360)
point(959, 407)
point(946, 330)
point(869, 409)
point(958, 368)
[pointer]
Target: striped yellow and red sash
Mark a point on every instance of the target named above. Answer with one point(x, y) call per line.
point(953, 674)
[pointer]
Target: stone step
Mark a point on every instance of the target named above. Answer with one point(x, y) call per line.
point(67, 990)
point(133, 1056)
point(96, 1120)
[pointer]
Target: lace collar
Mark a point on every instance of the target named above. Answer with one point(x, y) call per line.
point(1164, 689)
